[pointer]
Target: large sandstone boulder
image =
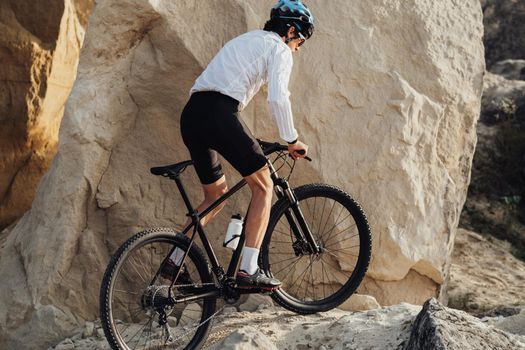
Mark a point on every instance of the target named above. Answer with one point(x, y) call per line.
point(39, 50)
point(387, 95)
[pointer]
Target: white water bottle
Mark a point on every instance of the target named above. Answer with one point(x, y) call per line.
point(233, 232)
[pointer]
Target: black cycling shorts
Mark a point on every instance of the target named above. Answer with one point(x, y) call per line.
point(210, 123)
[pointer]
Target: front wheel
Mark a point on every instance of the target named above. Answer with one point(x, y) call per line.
point(317, 282)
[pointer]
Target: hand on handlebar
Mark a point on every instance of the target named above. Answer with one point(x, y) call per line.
point(298, 150)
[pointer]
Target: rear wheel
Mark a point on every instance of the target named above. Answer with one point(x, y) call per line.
point(135, 308)
point(317, 282)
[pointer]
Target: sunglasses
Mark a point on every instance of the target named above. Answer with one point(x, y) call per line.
point(303, 39)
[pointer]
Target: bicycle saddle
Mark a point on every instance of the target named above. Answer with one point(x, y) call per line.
point(171, 171)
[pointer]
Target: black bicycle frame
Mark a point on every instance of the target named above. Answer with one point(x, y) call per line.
point(282, 189)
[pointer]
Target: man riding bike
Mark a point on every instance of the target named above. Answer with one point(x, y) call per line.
point(210, 123)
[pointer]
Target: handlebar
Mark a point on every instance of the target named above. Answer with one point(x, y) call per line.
point(271, 147)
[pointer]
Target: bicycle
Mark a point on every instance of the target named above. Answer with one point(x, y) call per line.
point(140, 309)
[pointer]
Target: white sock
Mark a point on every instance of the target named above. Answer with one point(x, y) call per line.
point(177, 256)
point(249, 260)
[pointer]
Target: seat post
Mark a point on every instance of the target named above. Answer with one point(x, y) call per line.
point(184, 195)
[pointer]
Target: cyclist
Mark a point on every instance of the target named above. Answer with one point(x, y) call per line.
point(210, 123)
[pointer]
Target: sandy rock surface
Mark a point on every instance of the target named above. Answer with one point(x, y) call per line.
point(401, 107)
point(388, 328)
point(514, 323)
point(272, 329)
point(359, 302)
point(484, 275)
point(377, 329)
point(39, 52)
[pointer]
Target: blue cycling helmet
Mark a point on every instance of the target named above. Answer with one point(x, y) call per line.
point(295, 13)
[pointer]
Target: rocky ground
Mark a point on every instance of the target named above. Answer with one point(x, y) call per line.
point(486, 280)
point(484, 275)
point(394, 327)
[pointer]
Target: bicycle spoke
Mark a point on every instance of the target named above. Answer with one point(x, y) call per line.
point(308, 206)
point(137, 332)
point(322, 214)
point(340, 232)
point(336, 220)
point(309, 278)
point(288, 274)
point(326, 222)
point(293, 257)
point(301, 275)
point(327, 278)
point(150, 331)
point(151, 263)
point(343, 249)
point(302, 280)
point(337, 224)
point(337, 257)
point(313, 283)
point(345, 239)
point(283, 233)
point(136, 269)
point(282, 253)
point(125, 291)
point(141, 333)
point(336, 270)
point(135, 303)
point(281, 242)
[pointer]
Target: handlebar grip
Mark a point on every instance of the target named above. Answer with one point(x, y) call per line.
point(301, 152)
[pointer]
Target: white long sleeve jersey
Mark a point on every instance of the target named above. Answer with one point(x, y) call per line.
point(247, 62)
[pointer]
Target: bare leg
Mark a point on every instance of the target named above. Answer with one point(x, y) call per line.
point(249, 275)
point(211, 193)
point(261, 185)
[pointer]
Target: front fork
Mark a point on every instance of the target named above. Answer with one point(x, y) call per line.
point(302, 232)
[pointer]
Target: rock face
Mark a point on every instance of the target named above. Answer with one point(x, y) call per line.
point(504, 30)
point(510, 69)
point(39, 51)
point(437, 327)
point(495, 203)
point(484, 275)
point(393, 123)
point(503, 99)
